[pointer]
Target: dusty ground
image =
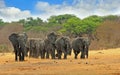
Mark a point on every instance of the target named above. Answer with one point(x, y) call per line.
point(101, 62)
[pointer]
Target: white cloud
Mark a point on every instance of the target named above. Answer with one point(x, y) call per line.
point(81, 8)
point(12, 13)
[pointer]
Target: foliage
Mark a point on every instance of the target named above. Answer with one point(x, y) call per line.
point(111, 17)
point(71, 25)
point(78, 27)
point(29, 22)
point(60, 19)
point(4, 48)
point(66, 23)
point(1, 22)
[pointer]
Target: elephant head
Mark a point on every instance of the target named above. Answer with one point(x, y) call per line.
point(52, 37)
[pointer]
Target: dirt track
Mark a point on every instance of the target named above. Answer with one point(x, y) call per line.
point(101, 62)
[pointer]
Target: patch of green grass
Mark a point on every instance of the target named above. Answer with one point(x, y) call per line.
point(4, 48)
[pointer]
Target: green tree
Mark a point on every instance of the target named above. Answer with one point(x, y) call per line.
point(1, 22)
point(78, 27)
point(111, 17)
point(60, 19)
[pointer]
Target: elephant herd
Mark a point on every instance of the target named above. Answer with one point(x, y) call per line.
point(53, 45)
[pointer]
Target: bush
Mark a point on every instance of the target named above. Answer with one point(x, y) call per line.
point(4, 48)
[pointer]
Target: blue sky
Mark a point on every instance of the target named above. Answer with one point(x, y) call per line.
point(13, 10)
point(30, 4)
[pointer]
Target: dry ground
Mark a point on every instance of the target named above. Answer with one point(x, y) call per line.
point(100, 62)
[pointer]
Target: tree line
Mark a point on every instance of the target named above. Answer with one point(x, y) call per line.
point(65, 24)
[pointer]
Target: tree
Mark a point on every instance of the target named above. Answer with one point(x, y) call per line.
point(1, 22)
point(73, 26)
point(78, 27)
point(60, 19)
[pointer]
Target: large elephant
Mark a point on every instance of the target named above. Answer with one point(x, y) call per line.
point(18, 41)
point(86, 42)
point(63, 45)
point(81, 44)
point(50, 45)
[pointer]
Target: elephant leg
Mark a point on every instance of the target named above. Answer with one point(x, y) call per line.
point(41, 54)
point(44, 54)
point(30, 53)
point(47, 54)
point(35, 54)
point(65, 54)
point(82, 54)
point(23, 55)
point(38, 53)
point(53, 54)
point(76, 53)
point(59, 54)
point(25, 51)
point(16, 52)
point(20, 57)
point(86, 52)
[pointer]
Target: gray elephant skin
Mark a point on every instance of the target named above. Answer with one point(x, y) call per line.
point(44, 47)
point(18, 41)
point(50, 45)
point(63, 46)
point(81, 44)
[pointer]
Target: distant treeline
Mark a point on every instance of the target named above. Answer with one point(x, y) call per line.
point(65, 24)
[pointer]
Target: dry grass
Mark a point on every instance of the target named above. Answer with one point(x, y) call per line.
point(100, 62)
point(108, 33)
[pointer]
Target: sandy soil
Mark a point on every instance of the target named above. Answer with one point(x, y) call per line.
point(100, 62)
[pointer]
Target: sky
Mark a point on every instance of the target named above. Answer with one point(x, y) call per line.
point(13, 10)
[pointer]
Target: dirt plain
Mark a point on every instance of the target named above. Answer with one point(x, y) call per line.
point(100, 62)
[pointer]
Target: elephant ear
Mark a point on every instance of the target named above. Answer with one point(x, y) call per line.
point(13, 37)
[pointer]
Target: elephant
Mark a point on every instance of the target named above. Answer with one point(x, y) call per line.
point(18, 41)
point(81, 44)
point(34, 47)
point(86, 42)
point(63, 45)
point(41, 48)
point(28, 46)
point(49, 45)
point(49, 49)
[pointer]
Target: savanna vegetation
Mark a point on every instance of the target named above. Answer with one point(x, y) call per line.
point(104, 28)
